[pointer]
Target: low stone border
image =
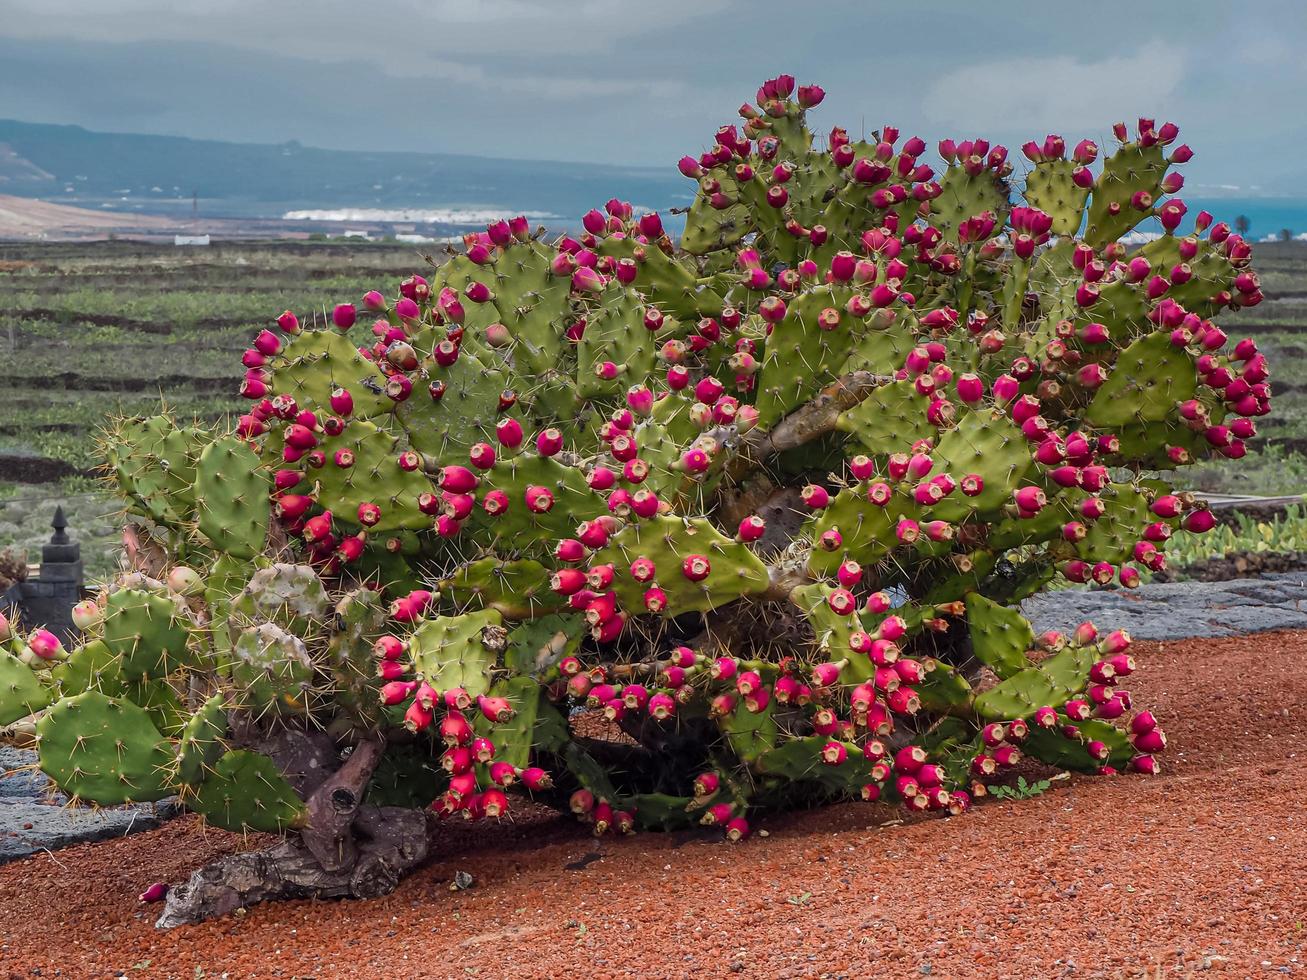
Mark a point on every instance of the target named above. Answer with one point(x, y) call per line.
point(1180, 610)
point(33, 818)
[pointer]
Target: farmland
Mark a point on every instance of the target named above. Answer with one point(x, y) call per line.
point(88, 331)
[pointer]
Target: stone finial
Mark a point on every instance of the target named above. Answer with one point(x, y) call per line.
point(60, 524)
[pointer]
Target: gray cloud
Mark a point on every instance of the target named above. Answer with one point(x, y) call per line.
point(619, 81)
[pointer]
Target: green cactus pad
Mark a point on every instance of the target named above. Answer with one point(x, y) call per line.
point(21, 691)
point(1130, 169)
point(244, 791)
point(90, 667)
point(513, 738)
point(536, 645)
point(375, 477)
point(965, 196)
point(800, 759)
point(202, 741)
point(1000, 636)
point(104, 750)
point(146, 631)
point(989, 445)
point(943, 689)
point(802, 357)
point(231, 492)
point(270, 670)
point(1054, 748)
point(664, 279)
point(458, 651)
point(154, 463)
point(735, 571)
point(866, 528)
point(709, 229)
point(519, 527)
point(1150, 378)
point(1112, 537)
point(751, 734)
point(291, 596)
point(890, 420)
point(407, 776)
point(518, 589)
point(615, 332)
point(316, 362)
point(1049, 188)
point(1052, 683)
point(465, 413)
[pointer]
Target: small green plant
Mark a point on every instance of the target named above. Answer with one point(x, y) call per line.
point(1023, 790)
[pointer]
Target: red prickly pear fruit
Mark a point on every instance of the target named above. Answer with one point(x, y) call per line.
point(834, 753)
point(910, 758)
point(539, 500)
point(655, 600)
point(497, 710)
point(696, 568)
point(1199, 521)
point(535, 779)
point(983, 765)
point(45, 645)
point(568, 581)
point(495, 502)
point(1045, 717)
point(289, 323)
point(344, 315)
point(391, 670)
point(1098, 750)
point(930, 775)
point(752, 528)
point(824, 675)
point(482, 455)
point(494, 803)
point(456, 760)
point(502, 773)
point(662, 706)
point(1143, 722)
point(717, 814)
point(388, 647)
point(397, 692)
point(1007, 755)
point(1077, 709)
point(1146, 764)
point(509, 432)
point(455, 729)
point(643, 569)
point(737, 828)
point(458, 479)
point(684, 657)
point(418, 717)
point(156, 892)
point(1152, 741)
point(706, 784)
point(1085, 634)
point(571, 551)
point(1118, 641)
point(849, 573)
point(581, 802)
point(317, 528)
point(842, 602)
point(892, 628)
point(483, 750)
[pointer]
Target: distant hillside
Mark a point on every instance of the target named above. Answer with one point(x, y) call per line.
point(72, 165)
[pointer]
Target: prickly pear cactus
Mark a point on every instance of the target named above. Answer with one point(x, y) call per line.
point(762, 502)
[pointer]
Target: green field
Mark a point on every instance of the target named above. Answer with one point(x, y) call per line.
point(91, 330)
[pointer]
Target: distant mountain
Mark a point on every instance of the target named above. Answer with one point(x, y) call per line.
point(133, 172)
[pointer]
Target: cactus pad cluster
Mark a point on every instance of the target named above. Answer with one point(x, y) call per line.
point(668, 533)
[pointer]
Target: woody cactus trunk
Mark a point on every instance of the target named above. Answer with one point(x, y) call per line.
point(668, 534)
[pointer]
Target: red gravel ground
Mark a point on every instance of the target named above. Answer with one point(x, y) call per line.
point(1201, 868)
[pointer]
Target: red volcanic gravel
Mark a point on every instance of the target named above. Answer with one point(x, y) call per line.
point(1201, 868)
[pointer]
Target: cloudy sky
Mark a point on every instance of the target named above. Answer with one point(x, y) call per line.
point(645, 81)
